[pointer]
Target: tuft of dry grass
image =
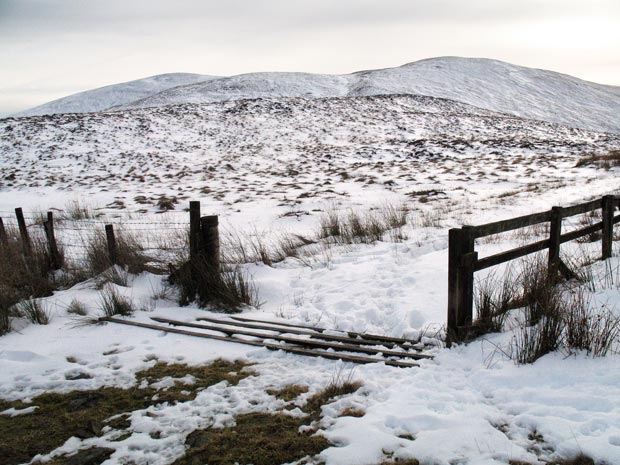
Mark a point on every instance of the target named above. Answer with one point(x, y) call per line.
point(339, 385)
point(288, 393)
point(493, 300)
point(130, 253)
point(112, 303)
point(77, 308)
point(228, 290)
point(355, 227)
point(606, 161)
point(33, 311)
point(24, 276)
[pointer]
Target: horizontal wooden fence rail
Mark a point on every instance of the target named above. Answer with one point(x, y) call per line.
point(463, 260)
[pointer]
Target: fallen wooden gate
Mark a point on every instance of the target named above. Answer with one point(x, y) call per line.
point(348, 346)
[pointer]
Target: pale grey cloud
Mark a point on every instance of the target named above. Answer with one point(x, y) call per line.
point(52, 47)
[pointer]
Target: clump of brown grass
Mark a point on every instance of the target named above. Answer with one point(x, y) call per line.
point(33, 311)
point(365, 227)
point(606, 161)
point(228, 290)
point(24, 275)
point(130, 254)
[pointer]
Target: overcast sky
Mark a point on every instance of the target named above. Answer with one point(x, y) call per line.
point(52, 48)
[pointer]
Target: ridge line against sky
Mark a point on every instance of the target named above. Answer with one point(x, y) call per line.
point(54, 48)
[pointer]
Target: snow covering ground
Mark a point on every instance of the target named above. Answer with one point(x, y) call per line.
point(489, 84)
point(270, 166)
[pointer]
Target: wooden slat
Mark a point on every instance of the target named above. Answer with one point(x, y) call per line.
point(616, 219)
point(290, 349)
point(512, 254)
point(375, 337)
point(293, 340)
point(571, 236)
point(510, 224)
point(530, 220)
point(582, 208)
point(313, 334)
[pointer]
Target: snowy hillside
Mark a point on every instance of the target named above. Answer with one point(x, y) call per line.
point(489, 84)
point(117, 94)
point(288, 151)
point(275, 166)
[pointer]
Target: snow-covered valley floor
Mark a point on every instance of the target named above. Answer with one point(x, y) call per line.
point(271, 167)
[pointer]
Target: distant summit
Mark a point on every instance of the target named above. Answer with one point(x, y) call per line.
point(116, 94)
point(488, 84)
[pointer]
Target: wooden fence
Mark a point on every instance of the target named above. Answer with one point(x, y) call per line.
point(463, 260)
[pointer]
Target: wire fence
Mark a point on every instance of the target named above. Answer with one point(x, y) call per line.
point(159, 239)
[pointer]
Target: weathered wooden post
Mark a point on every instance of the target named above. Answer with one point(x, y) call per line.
point(55, 256)
point(194, 229)
point(460, 279)
point(555, 233)
point(4, 240)
point(609, 203)
point(210, 241)
point(112, 249)
point(466, 289)
point(23, 232)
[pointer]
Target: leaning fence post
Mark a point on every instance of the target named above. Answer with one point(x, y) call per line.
point(23, 232)
point(51, 240)
point(609, 202)
point(460, 279)
point(210, 241)
point(112, 250)
point(4, 240)
point(555, 233)
point(194, 229)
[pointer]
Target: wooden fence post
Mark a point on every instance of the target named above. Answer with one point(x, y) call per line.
point(51, 240)
point(460, 279)
point(210, 241)
point(23, 232)
point(194, 229)
point(4, 240)
point(555, 233)
point(609, 202)
point(112, 250)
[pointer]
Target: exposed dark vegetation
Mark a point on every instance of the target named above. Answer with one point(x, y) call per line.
point(355, 227)
point(113, 304)
point(268, 439)
point(257, 438)
point(227, 290)
point(25, 276)
point(27, 273)
point(130, 254)
point(579, 459)
point(551, 316)
point(84, 413)
point(33, 311)
point(606, 161)
point(288, 393)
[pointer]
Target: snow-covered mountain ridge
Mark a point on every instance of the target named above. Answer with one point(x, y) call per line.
point(489, 84)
